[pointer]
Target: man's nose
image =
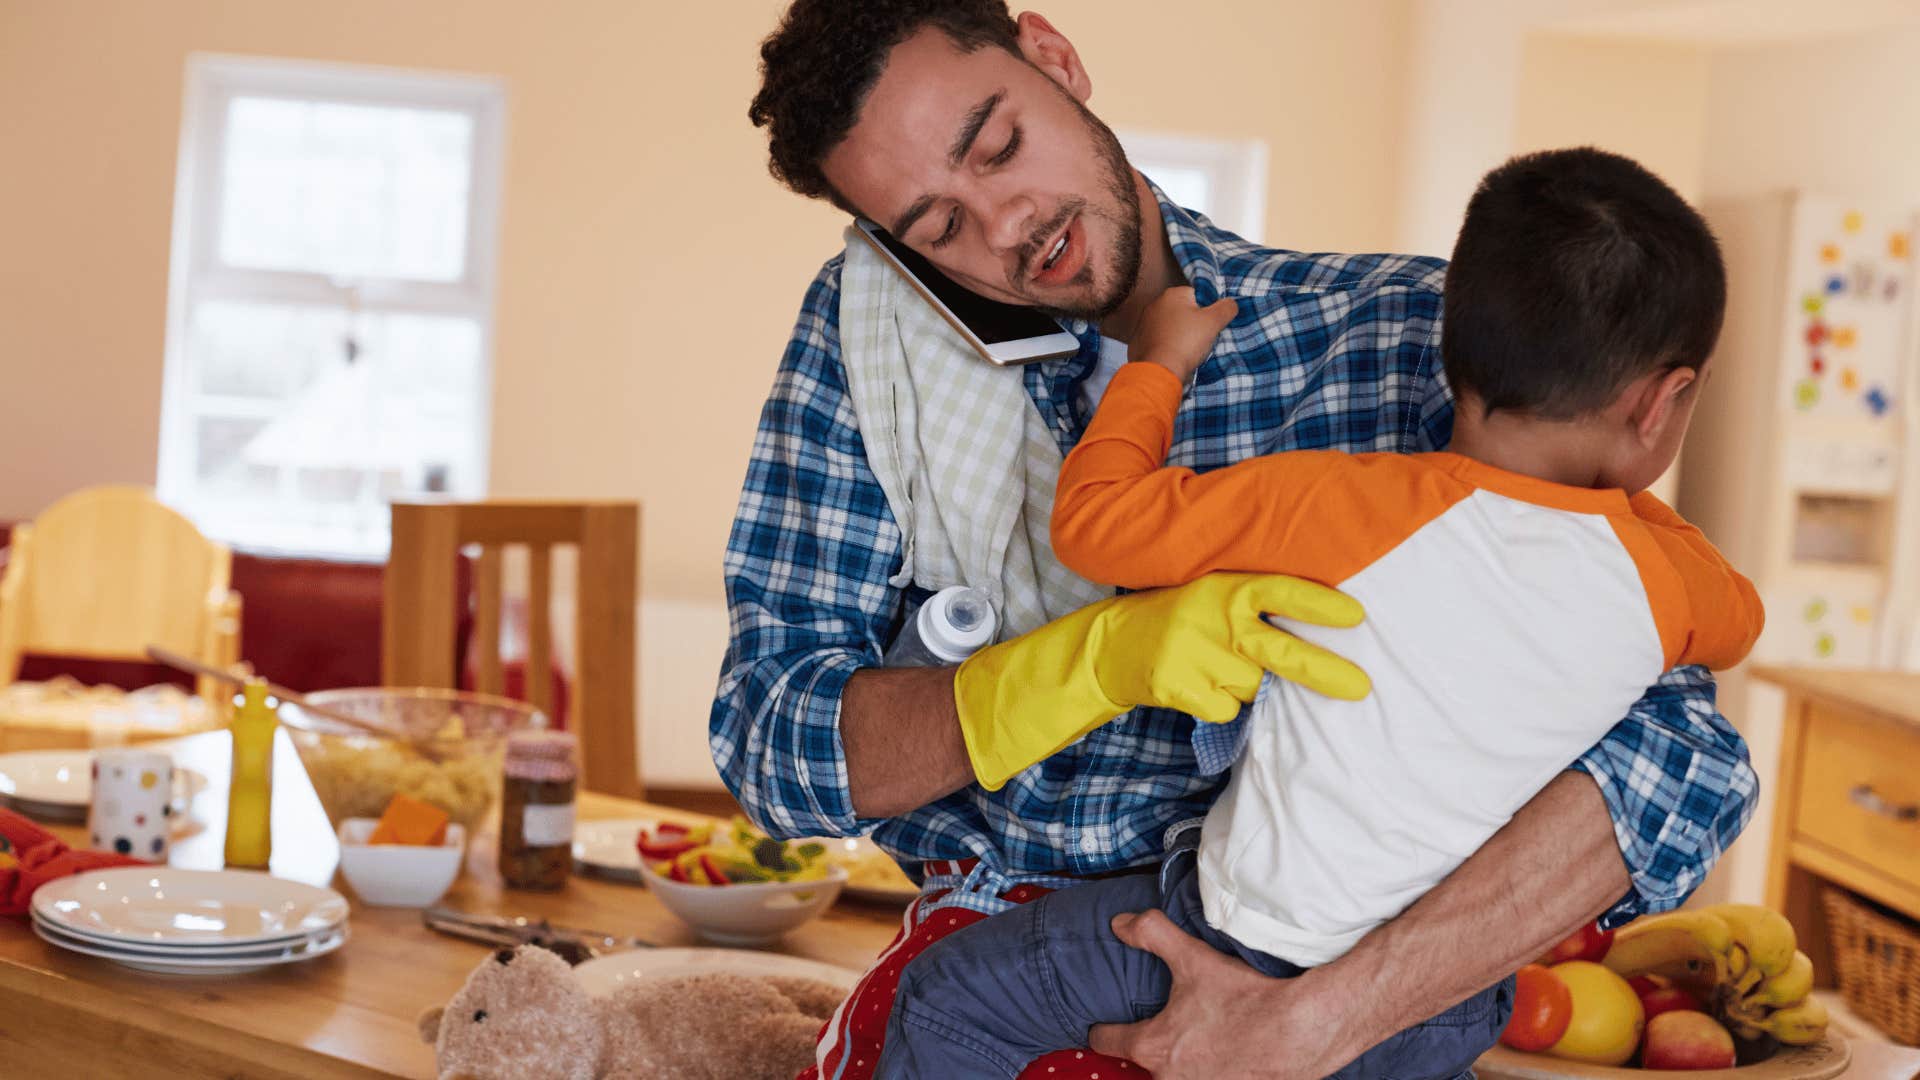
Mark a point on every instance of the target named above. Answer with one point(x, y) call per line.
point(1009, 224)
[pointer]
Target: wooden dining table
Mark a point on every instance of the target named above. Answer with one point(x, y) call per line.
point(349, 1014)
point(354, 1013)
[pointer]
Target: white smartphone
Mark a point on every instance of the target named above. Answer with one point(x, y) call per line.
point(1000, 333)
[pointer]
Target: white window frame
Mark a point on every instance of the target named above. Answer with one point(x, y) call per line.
point(1236, 168)
point(196, 273)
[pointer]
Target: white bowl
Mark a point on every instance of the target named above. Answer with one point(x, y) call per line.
point(399, 875)
point(746, 913)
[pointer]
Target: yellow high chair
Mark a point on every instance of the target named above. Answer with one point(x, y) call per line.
point(107, 571)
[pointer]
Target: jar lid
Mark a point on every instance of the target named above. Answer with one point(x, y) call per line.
point(544, 755)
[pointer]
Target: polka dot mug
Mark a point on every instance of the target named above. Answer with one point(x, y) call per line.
point(132, 803)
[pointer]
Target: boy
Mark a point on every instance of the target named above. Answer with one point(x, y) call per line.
point(1522, 591)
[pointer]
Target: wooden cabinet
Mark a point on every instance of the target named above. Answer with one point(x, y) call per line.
point(1848, 795)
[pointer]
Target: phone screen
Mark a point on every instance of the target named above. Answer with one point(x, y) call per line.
point(992, 320)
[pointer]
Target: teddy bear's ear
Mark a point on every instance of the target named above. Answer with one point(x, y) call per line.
point(429, 1023)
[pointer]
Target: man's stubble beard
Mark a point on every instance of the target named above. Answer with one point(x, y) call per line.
point(1123, 262)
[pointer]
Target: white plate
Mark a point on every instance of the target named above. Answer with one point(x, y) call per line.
point(196, 953)
point(191, 965)
point(606, 848)
point(62, 781)
point(608, 973)
point(853, 855)
point(187, 907)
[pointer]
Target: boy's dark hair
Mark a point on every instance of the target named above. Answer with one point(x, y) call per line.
point(1577, 272)
point(817, 68)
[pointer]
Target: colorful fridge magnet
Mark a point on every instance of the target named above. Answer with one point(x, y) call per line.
point(1830, 253)
point(1877, 401)
point(1819, 364)
point(1844, 337)
point(1849, 380)
point(1806, 394)
point(1853, 221)
point(1816, 332)
point(1862, 614)
point(1823, 645)
point(1812, 303)
point(1816, 610)
point(1836, 285)
point(1897, 245)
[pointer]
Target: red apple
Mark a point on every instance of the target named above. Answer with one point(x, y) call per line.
point(1669, 999)
point(1587, 943)
point(1687, 1040)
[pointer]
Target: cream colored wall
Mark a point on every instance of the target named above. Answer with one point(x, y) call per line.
point(1835, 117)
point(1643, 99)
point(649, 269)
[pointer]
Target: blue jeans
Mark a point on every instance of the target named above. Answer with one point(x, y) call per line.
point(988, 999)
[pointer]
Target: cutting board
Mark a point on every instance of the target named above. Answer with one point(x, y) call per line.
point(1825, 1059)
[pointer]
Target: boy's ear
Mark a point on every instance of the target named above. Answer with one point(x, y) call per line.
point(1657, 397)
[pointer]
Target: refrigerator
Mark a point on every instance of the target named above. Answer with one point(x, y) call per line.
point(1803, 463)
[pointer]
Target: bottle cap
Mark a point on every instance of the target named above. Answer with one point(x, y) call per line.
point(956, 622)
point(541, 755)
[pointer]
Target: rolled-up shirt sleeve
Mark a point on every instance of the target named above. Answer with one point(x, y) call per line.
point(1676, 779)
point(807, 567)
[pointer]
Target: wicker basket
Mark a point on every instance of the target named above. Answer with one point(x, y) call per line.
point(1876, 957)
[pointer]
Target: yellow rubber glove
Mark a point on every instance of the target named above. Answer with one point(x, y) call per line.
point(1199, 648)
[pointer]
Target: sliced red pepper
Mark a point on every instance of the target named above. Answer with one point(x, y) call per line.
point(664, 849)
point(714, 874)
point(669, 828)
point(676, 872)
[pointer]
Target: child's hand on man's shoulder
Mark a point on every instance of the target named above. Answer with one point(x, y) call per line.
point(1177, 333)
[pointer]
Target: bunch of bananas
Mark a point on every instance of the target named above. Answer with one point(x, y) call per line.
point(1742, 959)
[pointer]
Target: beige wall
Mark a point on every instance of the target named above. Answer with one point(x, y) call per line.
point(1643, 99)
point(649, 269)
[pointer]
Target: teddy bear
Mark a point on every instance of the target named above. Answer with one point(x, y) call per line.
point(523, 1015)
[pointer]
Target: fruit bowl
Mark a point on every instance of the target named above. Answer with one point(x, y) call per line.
point(447, 748)
point(746, 913)
point(1826, 1058)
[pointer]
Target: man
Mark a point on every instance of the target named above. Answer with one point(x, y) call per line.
point(964, 132)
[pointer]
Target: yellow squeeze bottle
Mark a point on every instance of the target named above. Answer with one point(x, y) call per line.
point(250, 799)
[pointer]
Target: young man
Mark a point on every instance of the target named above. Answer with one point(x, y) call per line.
point(964, 132)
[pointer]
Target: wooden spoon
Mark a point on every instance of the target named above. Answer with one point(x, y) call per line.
point(195, 667)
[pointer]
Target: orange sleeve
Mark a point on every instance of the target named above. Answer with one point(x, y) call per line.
point(1121, 519)
point(1708, 612)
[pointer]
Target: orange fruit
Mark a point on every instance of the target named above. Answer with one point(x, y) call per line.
point(1542, 1008)
point(1607, 1016)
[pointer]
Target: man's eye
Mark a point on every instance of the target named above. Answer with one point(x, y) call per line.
point(1006, 155)
point(946, 235)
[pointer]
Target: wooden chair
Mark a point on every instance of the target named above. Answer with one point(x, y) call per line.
point(417, 626)
point(105, 572)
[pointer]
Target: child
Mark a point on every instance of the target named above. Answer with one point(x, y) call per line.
point(1522, 591)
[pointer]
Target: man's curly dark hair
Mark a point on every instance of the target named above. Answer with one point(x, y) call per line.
point(818, 67)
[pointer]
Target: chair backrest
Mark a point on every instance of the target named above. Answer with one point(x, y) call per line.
point(420, 608)
point(107, 571)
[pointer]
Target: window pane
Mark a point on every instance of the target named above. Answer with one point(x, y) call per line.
point(1188, 187)
point(345, 190)
point(263, 350)
point(311, 463)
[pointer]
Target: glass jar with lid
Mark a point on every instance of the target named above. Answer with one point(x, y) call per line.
point(536, 810)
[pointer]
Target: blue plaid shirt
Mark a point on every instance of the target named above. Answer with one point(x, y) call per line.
point(1327, 351)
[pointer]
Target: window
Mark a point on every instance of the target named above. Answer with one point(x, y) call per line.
point(1225, 179)
point(331, 302)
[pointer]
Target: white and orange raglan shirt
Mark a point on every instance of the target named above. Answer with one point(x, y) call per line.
point(1511, 622)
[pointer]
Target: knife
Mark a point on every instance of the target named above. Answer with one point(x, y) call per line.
point(575, 946)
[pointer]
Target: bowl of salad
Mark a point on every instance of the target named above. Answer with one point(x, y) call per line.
point(734, 884)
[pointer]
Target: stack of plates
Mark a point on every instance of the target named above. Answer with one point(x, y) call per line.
point(190, 922)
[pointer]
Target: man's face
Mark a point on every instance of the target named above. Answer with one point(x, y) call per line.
point(997, 174)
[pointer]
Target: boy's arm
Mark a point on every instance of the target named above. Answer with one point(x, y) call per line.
point(1122, 519)
point(1716, 616)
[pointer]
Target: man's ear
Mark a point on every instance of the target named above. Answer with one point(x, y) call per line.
point(1049, 50)
point(1657, 398)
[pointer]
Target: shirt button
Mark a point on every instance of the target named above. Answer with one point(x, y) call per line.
point(1089, 843)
